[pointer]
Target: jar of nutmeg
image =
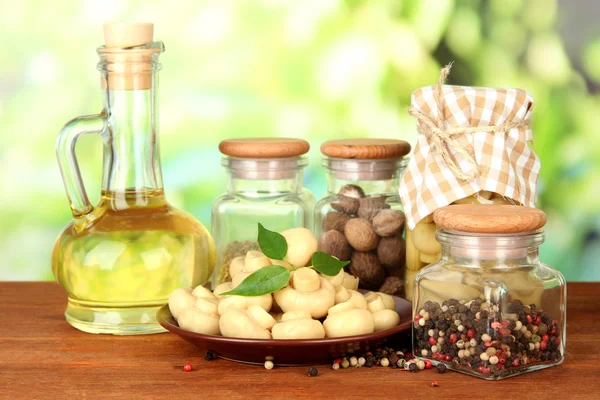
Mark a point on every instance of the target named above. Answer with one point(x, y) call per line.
point(360, 219)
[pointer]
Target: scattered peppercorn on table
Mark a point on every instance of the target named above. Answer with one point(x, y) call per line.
point(42, 356)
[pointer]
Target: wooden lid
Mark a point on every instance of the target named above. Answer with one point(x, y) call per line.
point(365, 149)
point(123, 35)
point(264, 147)
point(489, 218)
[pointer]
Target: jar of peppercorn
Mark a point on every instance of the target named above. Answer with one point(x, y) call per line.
point(489, 307)
point(360, 219)
point(264, 185)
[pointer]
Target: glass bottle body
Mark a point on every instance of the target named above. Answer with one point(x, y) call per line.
point(363, 189)
point(489, 307)
point(266, 191)
point(119, 260)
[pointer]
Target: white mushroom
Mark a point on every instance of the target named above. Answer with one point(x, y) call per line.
point(236, 266)
point(202, 318)
point(238, 324)
point(239, 277)
point(345, 319)
point(358, 299)
point(350, 281)
point(375, 304)
point(388, 300)
point(261, 317)
point(338, 279)
point(302, 243)
point(201, 291)
point(317, 302)
point(282, 263)
point(341, 294)
point(255, 260)
point(298, 325)
point(243, 302)
point(180, 300)
point(222, 288)
point(385, 319)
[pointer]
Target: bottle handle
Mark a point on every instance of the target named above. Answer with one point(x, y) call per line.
point(67, 160)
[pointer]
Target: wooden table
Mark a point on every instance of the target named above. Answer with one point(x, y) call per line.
point(41, 356)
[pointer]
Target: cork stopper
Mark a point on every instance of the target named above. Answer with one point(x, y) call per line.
point(123, 35)
point(264, 147)
point(129, 50)
point(489, 218)
point(365, 149)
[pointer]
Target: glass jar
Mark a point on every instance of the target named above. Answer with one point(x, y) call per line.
point(489, 307)
point(264, 185)
point(360, 219)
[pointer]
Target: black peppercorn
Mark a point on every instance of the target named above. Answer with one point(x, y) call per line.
point(441, 368)
point(313, 372)
point(413, 367)
point(209, 356)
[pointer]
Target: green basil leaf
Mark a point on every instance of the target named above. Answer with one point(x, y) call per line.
point(263, 281)
point(326, 264)
point(272, 244)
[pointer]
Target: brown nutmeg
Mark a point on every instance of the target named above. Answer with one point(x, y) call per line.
point(371, 205)
point(388, 222)
point(335, 244)
point(348, 199)
point(361, 235)
point(392, 285)
point(391, 251)
point(367, 268)
point(335, 220)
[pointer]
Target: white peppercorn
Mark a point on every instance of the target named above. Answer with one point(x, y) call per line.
point(353, 361)
point(484, 357)
point(493, 360)
point(384, 362)
point(473, 342)
point(269, 365)
point(460, 344)
point(431, 332)
point(424, 353)
point(362, 361)
point(434, 349)
point(420, 364)
point(485, 337)
point(422, 322)
point(518, 325)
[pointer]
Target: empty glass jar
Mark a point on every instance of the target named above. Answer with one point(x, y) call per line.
point(360, 219)
point(489, 307)
point(264, 185)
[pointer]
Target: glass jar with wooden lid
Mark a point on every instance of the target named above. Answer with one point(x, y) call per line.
point(489, 307)
point(264, 185)
point(360, 219)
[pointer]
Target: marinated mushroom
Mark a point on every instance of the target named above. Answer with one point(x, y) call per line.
point(180, 300)
point(350, 281)
point(336, 280)
point(298, 325)
point(358, 299)
point(308, 292)
point(255, 260)
point(302, 243)
point(261, 317)
point(222, 288)
point(236, 266)
point(243, 302)
point(385, 319)
point(201, 291)
point(388, 300)
point(345, 319)
point(202, 318)
point(341, 294)
point(238, 324)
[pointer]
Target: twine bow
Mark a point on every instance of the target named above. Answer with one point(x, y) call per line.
point(442, 140)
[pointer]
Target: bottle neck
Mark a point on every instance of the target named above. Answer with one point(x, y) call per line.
point(373, 176)
point(131, 151)
point(489, 250)
point(264, 177)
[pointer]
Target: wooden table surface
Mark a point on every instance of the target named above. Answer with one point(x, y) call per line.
point(41, 356)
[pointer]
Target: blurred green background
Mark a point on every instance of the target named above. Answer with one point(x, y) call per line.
point(316, 69)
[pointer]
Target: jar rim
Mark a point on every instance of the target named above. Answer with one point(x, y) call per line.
point(264, 168)
point(364, 169)
point(490, 241)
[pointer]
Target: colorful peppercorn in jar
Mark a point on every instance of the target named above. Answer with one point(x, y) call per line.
point(472, 149)
point(264, 185)
point(489, 307)
point(360, 219)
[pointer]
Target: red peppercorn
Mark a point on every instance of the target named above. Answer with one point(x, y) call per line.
point(417, 318)
point(471, 333)
point(505, 332)
point(554, 322)
point(553, 331)
point(537, 320)
point(486, 371)
point(428, 364)
point(532, 360)
point(529, 319)
point(488, 343)
point(337, 361)
point(505, 323)
point(432, 340)
point(187, 367)
point(496, 325)
point(453, 338)
point(545, 338)
point(480, 369)
point(408, 355)
point(501, 360)
point(434, 384)
point(515, 362)
point(448, 357)
point(557, 340)
point(543, 345)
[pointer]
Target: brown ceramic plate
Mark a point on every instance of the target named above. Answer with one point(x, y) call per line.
point(289, 352)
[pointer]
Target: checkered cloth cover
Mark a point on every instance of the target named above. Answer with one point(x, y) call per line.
point(506, 163)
